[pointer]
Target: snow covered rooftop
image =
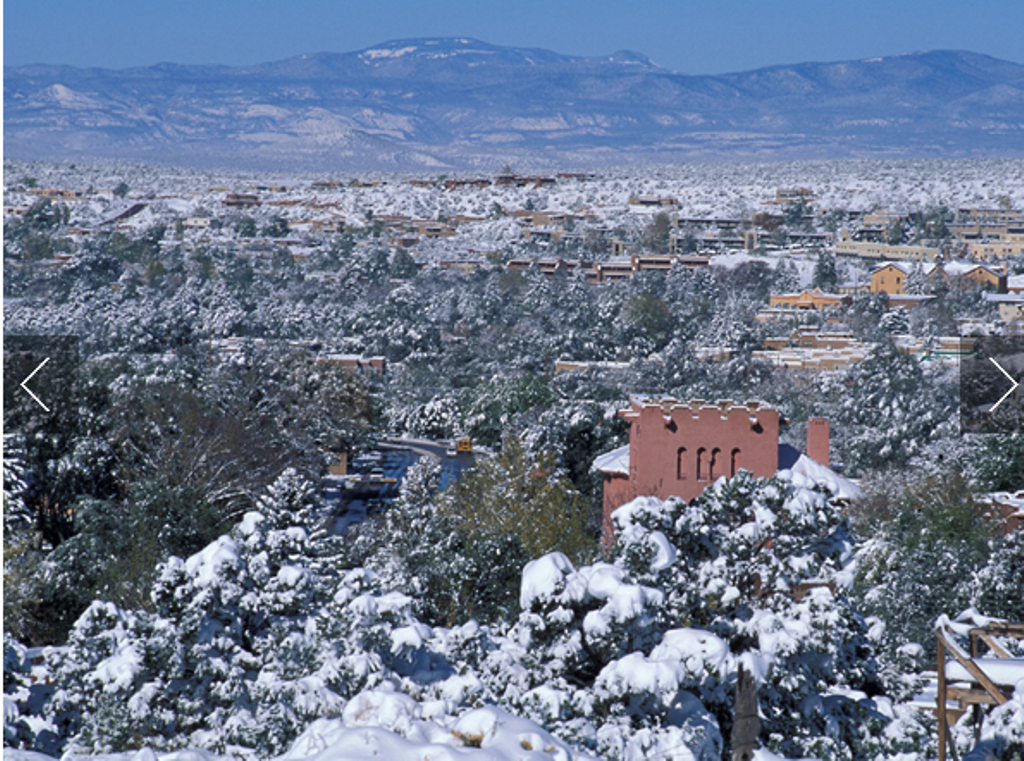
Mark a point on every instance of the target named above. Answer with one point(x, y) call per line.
point(841, 488)
point(616, 461)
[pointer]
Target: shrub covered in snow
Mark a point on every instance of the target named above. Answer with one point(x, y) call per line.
point(253, 644)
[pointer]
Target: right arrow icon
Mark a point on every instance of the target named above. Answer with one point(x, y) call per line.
point(1012, 388)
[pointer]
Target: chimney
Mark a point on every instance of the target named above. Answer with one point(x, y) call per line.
point(817, 440)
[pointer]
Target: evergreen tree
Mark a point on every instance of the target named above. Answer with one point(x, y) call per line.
point(524, 496)
point(895, 322)
point(227, 657)
point(916, 283)
point(1002, 465)
point(935, 550)
point(403, 266)
point(893, 407)
point(826, 274)
point(787, 279)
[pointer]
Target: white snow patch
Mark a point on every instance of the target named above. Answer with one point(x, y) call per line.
point(385, 53)
point(544, 578)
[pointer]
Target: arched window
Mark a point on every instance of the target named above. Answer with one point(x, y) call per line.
point(702, 464)
point(713, 463)
point(735, 462)
point(681, 464)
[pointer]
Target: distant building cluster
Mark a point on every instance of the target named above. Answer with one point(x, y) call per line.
point(813, 349)
point(619, 268)
point(969, 247)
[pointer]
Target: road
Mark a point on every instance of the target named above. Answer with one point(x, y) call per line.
point(393, 456)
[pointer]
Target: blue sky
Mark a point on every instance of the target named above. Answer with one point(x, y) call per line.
point(696, 36)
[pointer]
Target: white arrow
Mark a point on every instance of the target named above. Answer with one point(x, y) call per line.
point(1012, 389)
point(38, 400)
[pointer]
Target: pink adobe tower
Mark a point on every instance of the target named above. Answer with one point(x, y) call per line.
point(677, 449)
point(818, 440)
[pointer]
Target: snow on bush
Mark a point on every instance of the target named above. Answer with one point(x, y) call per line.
point(252, 645)
point(392, 726)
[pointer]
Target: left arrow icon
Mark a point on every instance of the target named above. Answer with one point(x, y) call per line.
point(29, 391)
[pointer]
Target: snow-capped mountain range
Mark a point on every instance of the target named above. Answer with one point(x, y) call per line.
point(450, 104)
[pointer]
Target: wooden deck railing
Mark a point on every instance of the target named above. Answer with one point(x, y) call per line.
point(970, 680)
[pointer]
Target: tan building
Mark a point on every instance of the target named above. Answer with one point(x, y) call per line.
point(806, 300)
point(428, 228)
point(459, 183)
point(548, 266)
point(1011, 305)
point(977, 229)
point(545, 233)
point(872, 250)
point(653, 203)
point(809, 349)
point(889, 278)
point(57, 194)
point(241, 200)
point(791, 195)
point(991, 214)
point(979, 274)
point(316, 225)
point(989, 250)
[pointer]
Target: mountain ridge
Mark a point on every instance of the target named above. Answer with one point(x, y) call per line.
point(460, 103)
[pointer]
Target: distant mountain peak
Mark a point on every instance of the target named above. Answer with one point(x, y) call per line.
point(630, 57)
point(459, 101)
point(461, 49)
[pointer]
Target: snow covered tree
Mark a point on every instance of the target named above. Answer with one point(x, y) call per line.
point(1002, 465)
point(490, 408)
point(787, 278)
point(641, 654)
point(757, 563)
point(523, 495)
point(226, 658)
point(895, 322)
point(933, 550)
point(438, 418)
point(916, 283)
point(403, 266)
point(17, 516)
point(892, 406)
point(826, 274)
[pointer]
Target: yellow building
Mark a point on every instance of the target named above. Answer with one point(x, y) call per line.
point(891, 277)
point(976, 273)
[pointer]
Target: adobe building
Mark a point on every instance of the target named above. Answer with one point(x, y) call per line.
point(356, 363)
point(807, 300)
point(677, 449)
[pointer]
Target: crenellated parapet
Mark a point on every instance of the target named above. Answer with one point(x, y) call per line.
point(677, 448)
